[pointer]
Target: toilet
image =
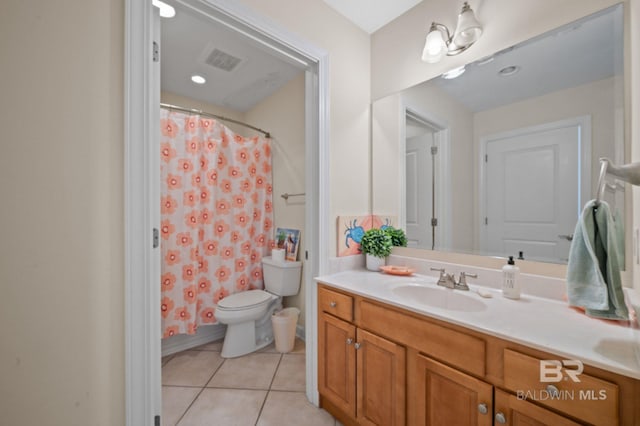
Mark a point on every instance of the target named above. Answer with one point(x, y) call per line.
point(248, 314)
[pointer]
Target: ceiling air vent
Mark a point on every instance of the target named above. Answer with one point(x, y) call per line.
point(222, 60)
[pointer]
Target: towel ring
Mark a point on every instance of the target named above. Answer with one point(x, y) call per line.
point(629, 173)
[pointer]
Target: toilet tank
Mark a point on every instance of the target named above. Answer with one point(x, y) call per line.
point(281, 278)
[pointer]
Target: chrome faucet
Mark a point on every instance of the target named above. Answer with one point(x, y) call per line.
point(445, 280)
point(462, 283)
point(449, 280)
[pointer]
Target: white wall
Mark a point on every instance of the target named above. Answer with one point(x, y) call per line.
point(349, 53)
point(282, 114)
point(386, 155)
point(62, 221)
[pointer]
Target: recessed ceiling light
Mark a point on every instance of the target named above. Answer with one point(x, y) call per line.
point(510, 70)
point(198, 79)
point(456, 72)
point(166, 11)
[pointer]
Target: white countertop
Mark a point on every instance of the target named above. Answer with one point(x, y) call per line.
point(544, 324)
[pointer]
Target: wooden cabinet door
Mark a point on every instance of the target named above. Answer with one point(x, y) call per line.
point(381, 381)
point(337, 362)
point(445, 396)
point(512, 411)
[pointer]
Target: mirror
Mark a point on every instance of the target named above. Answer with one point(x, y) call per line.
point(501, 158)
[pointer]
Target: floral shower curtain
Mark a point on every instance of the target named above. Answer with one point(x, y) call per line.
point(216, 217)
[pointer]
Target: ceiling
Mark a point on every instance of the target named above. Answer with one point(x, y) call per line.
point(190, 44)
point(371, 15)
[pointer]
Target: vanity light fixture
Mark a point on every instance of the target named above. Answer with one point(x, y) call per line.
point(198, 79)
point(439, 40)
point(166, 10)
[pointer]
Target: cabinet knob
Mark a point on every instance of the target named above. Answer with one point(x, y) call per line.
point(482, 408)
point(500, 418)
point(357, 346)
point(349, 341)
point(553, 391)
point(333, 304)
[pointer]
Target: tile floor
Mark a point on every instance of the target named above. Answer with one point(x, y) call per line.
point(199, 387)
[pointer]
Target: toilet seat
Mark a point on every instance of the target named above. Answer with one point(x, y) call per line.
point(244, 300)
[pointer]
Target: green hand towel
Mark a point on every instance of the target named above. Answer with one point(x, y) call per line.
point(593, 272)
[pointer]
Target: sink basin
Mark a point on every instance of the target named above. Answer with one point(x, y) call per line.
point(438, 297)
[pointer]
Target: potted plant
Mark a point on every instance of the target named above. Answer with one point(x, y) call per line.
point(398, 237)
point(376, 244)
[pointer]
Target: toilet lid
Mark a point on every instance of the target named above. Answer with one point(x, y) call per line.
point(245, 299)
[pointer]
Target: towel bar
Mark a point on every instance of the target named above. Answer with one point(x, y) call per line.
point(286, 195)
point(627, 173)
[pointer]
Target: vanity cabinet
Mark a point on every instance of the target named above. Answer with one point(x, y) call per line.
point(384, 365)
point(360, 374)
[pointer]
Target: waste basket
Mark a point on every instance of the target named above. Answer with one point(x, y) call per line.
point(284, 328)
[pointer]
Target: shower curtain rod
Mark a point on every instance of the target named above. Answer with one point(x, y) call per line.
point(219, 117)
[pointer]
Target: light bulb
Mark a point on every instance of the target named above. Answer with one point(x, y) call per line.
point(166, 11)
point(468, 30)
point(434, 47)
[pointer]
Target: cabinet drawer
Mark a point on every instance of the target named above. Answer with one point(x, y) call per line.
point(520, 412)
point(590, 399)
point(335, 303)
point(458, 349)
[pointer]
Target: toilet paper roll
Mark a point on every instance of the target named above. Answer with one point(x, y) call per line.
point(277, 255)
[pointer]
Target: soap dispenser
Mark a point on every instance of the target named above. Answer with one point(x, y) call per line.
point(510, 280)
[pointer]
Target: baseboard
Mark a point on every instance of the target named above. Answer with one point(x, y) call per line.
point(182, 342)
point(204, 335)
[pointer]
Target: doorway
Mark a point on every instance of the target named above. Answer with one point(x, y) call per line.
point(142, 301)
point(426, 182)
point(534, 189)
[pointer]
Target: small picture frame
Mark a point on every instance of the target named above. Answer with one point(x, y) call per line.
point(289, 240)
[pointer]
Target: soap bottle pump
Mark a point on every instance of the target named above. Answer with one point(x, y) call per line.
point(510, 280)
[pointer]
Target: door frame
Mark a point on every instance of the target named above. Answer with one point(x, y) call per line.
point(584, 162)
point(142, 203)
point(441, 136)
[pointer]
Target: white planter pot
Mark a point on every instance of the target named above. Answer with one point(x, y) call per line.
point(374, 263)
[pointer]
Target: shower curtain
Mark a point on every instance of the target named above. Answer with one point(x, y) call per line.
point(216, 217)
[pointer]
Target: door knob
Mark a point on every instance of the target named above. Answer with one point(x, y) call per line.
point(333, 304)
point(568, 237)
point(357, 346)
point(500, 418)
point(482, 408)
point(349, 341)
